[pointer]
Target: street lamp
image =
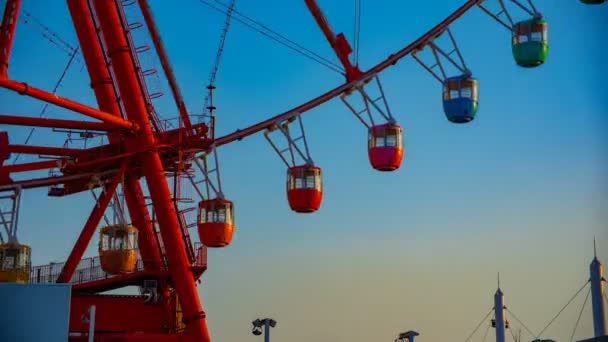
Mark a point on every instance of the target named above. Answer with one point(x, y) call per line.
point(267, 323)
point(407, 336)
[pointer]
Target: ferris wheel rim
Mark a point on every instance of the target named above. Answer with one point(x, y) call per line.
point(391, 60)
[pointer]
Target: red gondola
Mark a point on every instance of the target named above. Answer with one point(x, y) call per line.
point(215, 222)
point(304, 188)
point(385, 147)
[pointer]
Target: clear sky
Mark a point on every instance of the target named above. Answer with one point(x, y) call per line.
point(522, 190)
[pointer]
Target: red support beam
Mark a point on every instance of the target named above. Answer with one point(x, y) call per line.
point(48, 164)
point(7, 32)
point(164, 61)
point(25, 89)
point(44, 150)
point(49, 181)
point(55, 123)
point(135, 107)
point(146, 237)
point(91, 225)
point(338, 43)
point(101, 83)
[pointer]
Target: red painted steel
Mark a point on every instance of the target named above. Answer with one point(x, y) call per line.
point(47, 164)
point(4, 152)
point(55, 123)
point(391, 60)
point(49, 181)
point(146, 239)
point(338, 43)
point(90, 227)
point(126, 79)
point(101, 83)
point(54, 180)
point(25, 89)
point(43, 150)
point(4, 155)
point(144, 338)
point(119, 314)
point(7, 33)
point(164, 61)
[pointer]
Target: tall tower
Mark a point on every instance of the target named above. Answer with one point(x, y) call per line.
point(597, 295)
point(499, 314)
point(499, 322)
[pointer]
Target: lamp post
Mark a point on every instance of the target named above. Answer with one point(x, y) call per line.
point(407, 336)
point(267, 323)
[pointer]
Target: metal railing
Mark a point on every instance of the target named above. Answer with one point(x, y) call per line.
point(89, 269)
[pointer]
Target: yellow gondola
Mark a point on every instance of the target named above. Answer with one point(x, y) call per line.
point(15, 263)
point(118, 248)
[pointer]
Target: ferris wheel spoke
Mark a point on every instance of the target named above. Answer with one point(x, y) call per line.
point(439, 54)
point(496, 16)
point(208, 165)
point(7, 33)
point(55, 123)
point(371, 105)
point(295, 153)
point(25, 89)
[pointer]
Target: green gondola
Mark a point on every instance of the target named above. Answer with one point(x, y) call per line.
point(530, 42)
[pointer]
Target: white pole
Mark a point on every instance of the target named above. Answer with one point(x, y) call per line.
point(91, 323)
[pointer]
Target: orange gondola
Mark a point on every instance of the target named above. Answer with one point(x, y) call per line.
point(304, 188)
point(215, 222)
point(118, 248)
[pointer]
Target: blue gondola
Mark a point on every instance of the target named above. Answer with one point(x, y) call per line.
point(460, 98)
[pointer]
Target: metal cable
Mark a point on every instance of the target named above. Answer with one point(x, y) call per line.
point(282, 36)
point(298, 48)
point(562, 309)
point(485, 335)
point(46, 105)
point(512, 335)
point(357, 31)
point(606, 297)
point(218, 55)
point(479, 325)
point(520, 322)
point(580, 314)
point(48, 34)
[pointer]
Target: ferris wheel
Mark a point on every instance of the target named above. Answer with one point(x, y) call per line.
point(137, 165)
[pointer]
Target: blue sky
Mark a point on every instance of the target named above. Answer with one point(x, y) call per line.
point(521, 190)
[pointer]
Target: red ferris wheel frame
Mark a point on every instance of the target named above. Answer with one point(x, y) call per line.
point(137, 150)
